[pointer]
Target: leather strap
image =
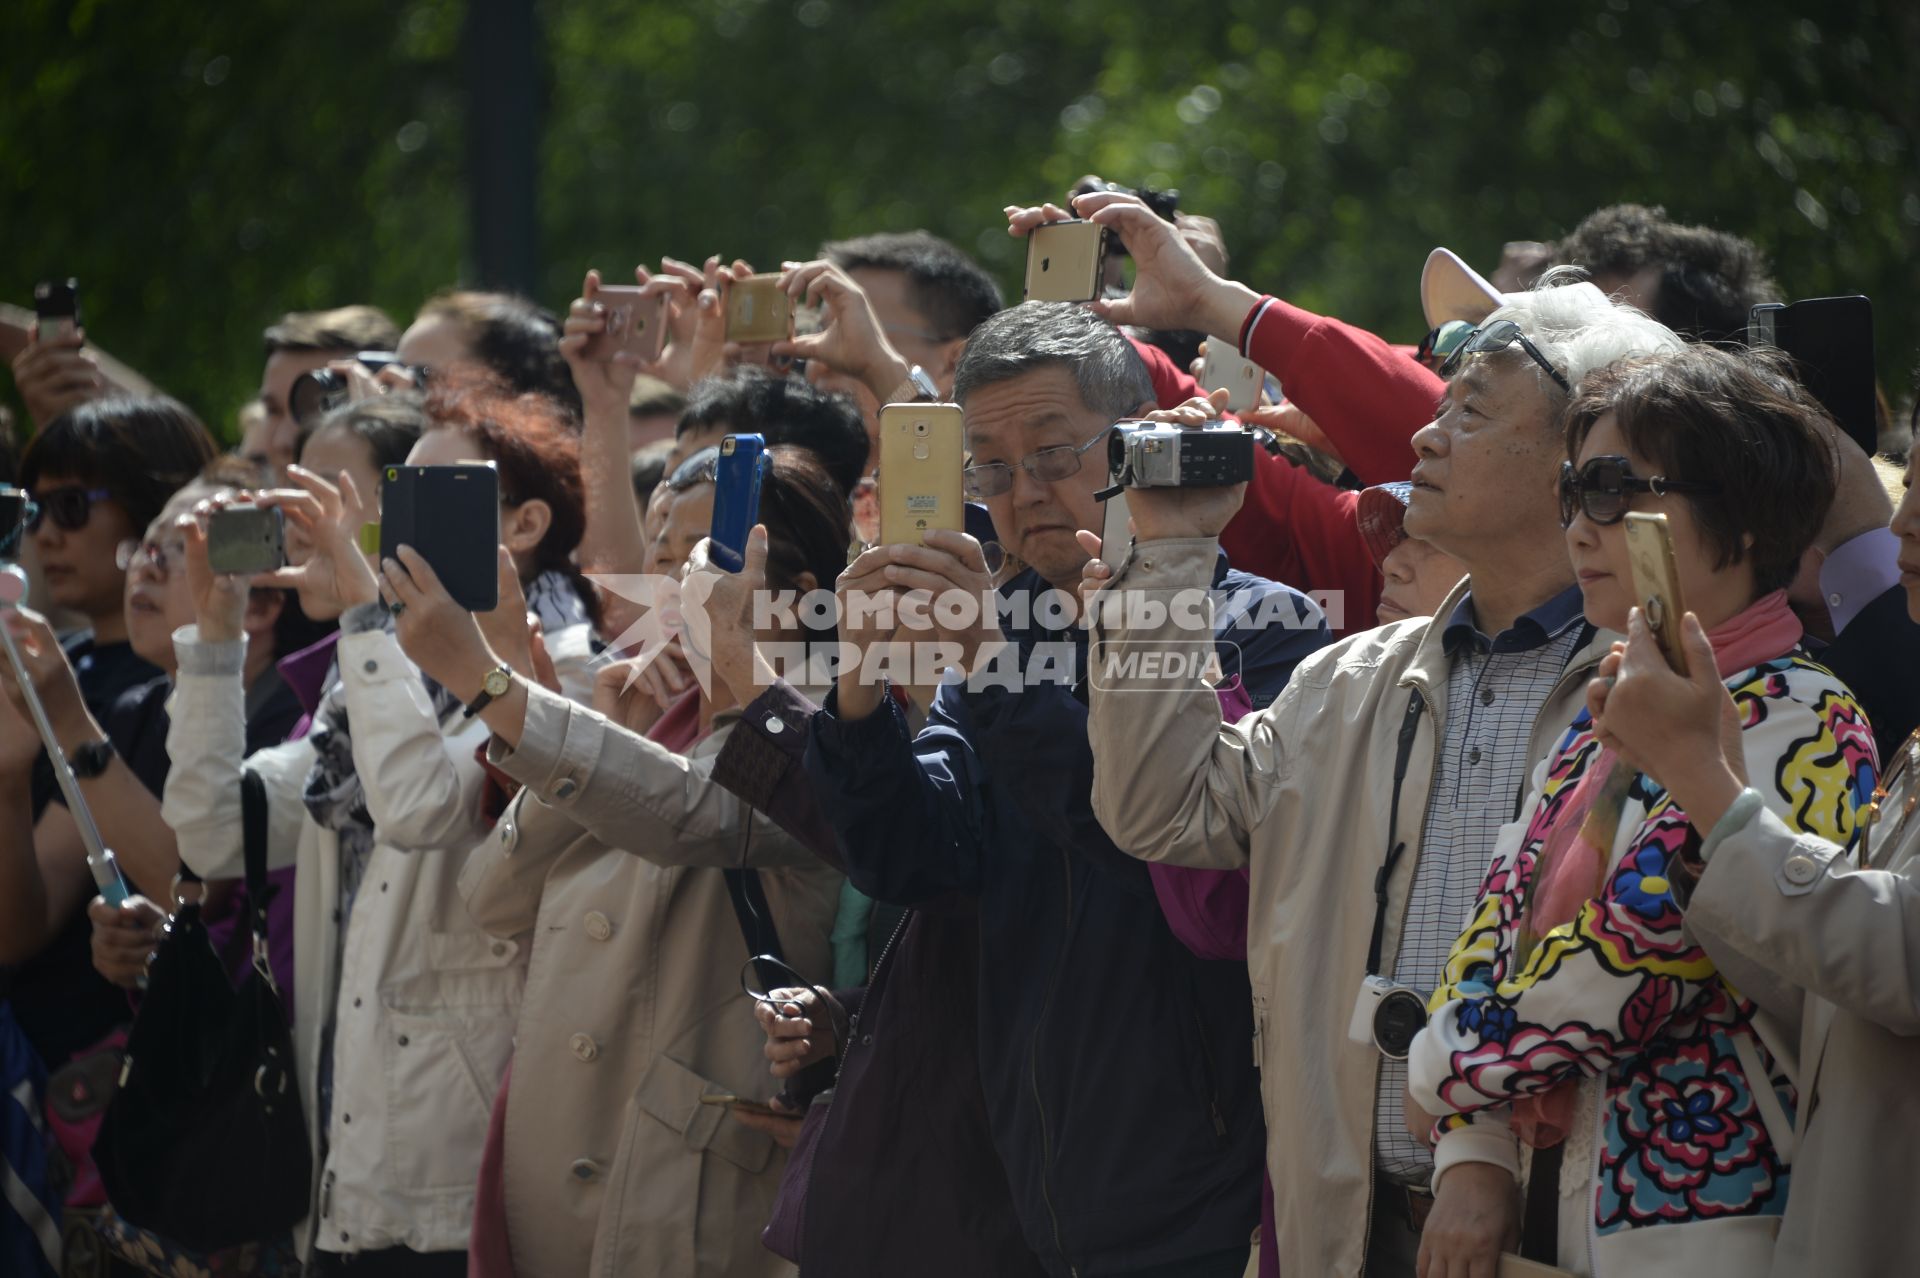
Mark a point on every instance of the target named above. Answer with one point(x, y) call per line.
point(755, 916)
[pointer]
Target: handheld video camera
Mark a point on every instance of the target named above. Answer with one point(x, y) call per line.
point(1155, 455)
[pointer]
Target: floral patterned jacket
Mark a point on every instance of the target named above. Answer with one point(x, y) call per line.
point(1680, 1105)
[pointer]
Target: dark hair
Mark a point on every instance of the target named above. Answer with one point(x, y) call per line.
point(532, 441)
point(1709, 279)
point(786, 410)
point(345, 328)
point(518, 341)
point(389, 425)
point(648, 467)
point(293, 630)
point(808, 523)
point(1112, 378)
point(140, 450)
point(9, 448)
point(946, 286)
point(1732, 418)
point(651, 397)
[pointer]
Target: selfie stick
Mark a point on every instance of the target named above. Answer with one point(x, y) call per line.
point(106, 871)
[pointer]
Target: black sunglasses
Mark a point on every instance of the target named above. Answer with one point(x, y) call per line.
point(69, 506)
point(1603, 488)
point(1498, 336)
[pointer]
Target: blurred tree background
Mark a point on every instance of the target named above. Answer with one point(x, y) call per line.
point(203, 169)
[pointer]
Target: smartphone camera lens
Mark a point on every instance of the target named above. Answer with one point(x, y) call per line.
point(920, 428)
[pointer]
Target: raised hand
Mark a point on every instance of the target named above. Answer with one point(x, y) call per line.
point(328, 516)
point(852, 341)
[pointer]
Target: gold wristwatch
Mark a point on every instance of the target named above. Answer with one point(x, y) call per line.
point(498, 680)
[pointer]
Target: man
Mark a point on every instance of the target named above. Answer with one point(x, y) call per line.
point(300, 342)
point(1391, 759)
point(1697, 281)
point(1116, 1075)
point(1848, 593)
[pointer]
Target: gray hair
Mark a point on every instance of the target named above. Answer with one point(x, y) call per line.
point(1579, 329)
point(1112, 378)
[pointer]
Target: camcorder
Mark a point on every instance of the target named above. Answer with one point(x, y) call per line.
point(1144, 454)
point(1165, 204)
point(322, 390)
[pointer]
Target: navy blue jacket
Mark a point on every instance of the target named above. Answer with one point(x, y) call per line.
point(1117, 1066)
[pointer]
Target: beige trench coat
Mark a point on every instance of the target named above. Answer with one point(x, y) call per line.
point(1831, 953)
point(612, 859)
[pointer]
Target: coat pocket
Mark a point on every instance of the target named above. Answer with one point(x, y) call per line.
point(442, 1073)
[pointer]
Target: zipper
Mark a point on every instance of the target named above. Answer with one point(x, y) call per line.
point(879, 966)
point(1033, 1075)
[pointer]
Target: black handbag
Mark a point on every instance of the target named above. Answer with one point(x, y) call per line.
point(205, 1142)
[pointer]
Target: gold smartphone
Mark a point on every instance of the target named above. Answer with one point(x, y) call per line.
point(634, 324)
point(922, 455)
point(1065, 261)
point(744, 1105)
point(1656, 583)
point(758, 311)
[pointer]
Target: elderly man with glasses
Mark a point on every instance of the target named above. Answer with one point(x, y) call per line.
point(1366, 801)
point(1119, 1090)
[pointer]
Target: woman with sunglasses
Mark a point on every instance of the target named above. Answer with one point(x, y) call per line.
point(100, 474)
point(1574, 1009)
point(622, 860)
point(1825, 937)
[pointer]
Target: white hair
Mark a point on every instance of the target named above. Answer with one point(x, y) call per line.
point(1578, 328)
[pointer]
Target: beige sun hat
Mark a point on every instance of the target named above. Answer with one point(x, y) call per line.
point(1452, 290)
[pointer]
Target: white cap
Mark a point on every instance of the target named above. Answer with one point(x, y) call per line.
point(1452, 290)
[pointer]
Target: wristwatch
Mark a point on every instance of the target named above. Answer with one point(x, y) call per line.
point(498, 680)
point(89, 759)
point(917, 389)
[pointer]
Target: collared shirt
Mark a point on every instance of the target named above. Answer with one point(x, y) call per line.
point(1495, 688)
point(1857, 573)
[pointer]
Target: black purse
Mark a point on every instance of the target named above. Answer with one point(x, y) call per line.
point(206, 1143)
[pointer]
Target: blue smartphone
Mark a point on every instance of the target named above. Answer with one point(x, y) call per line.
point(736, 497)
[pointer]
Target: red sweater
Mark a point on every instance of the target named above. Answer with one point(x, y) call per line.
point(1369, 398)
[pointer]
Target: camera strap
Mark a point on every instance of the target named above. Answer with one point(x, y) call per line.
point(1382, 877)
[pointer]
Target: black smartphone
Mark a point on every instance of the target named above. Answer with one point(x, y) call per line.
point(56, 303)
point(1831, 342)
point(246, 540)
point(451, 516)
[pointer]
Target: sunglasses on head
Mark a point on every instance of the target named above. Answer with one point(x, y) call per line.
point(1603, 487)
point(1498, 336)
point(69, 506)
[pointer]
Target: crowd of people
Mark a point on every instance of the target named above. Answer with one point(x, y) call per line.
point(1447, 912)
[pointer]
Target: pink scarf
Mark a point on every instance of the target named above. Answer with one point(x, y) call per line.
point(1572, 865)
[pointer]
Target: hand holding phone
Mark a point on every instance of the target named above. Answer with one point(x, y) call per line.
point(1225, 368)
point(56, 304)
point(759, 312)
point(740, 1104)
point(635, 325)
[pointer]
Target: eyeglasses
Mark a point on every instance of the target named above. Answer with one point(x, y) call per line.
point(1602, 488)
point(1498, 336)
point(1048, 465)
point(69, 506)
point(163, 557)
point(702, 467)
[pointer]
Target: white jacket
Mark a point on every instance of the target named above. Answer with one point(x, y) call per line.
point(426, 1000)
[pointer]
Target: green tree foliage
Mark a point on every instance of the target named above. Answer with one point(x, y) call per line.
point(204, 169)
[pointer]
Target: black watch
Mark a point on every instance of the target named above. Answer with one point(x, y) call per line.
point(89, 759)
point(498, 680)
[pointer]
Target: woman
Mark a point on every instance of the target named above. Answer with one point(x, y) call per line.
point(543, 510)
point(1574, 1007)
point(403, 1008)
point(1825, 938)
point(122, 756)
point(616, 860)
point(101, 474)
